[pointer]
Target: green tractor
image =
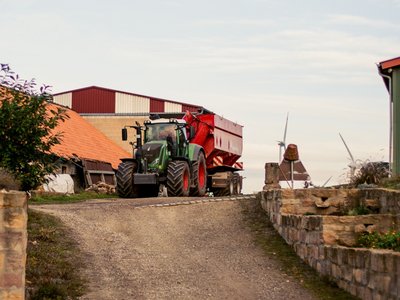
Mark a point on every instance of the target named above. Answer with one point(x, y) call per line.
point(166, 157)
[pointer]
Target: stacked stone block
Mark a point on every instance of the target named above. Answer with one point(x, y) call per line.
point(388, 201)
point(13, 242)
point(325, 241)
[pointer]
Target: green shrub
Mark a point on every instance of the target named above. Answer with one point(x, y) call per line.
point(359, 211)
point(389, 240)
point(27, 129)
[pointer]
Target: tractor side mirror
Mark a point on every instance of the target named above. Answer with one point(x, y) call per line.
point(124, 134)
point(192, 132)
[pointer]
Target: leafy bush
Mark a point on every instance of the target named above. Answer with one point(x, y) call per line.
point(27, 129)
point(390, 240)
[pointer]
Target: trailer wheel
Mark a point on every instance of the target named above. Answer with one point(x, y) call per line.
point(238, 186)
point(199, 177)
point(125, 186)
point(225, 191)
point(178, 179)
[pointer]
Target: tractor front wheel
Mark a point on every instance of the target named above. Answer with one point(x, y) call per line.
point(178, 179)
point(125, 186)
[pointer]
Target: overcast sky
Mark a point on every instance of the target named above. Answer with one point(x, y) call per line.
point(252, 61)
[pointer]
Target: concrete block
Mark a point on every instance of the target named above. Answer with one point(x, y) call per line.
point(362, 258)
point(13, 241)
point(351, 257)
point(330, 237)
point(367, 294)
point(394, 288)
point(333, 254)
point(15, 218)
point(15, 199)
point(390, 263)
point(14, 261)
point(376, 295)
point(13, 280)
point(360, 276)
point(384, 284)
point(396, 257)
point(336, 271)
point(377, 261)
point(347, 272)
point(342, 256)
point(360, 292)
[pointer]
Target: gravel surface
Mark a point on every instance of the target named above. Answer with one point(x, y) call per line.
point(161, 248)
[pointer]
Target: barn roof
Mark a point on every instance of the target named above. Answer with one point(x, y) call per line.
point(82, 140)
point(94, 87)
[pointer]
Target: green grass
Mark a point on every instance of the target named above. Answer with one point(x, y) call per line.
point(53, 260)
point(359, 211)
point(275, 246)
point(61, 198)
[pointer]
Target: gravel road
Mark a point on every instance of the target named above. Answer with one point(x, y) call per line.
point(161, 248)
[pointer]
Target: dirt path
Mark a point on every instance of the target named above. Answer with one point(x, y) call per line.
point(200, 250)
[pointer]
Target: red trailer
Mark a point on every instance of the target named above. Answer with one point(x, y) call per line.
point(222, 141)
point(188, 157)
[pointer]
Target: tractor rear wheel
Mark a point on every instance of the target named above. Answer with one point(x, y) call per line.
point(178, 179)
point(125, 186)
point(199, 177)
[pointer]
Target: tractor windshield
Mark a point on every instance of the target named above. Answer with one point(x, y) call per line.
point(157, 132)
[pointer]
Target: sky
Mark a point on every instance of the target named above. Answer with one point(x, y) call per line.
point(251, 61)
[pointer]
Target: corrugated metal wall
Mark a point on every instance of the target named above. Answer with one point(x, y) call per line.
point(156, 105)
point(94, 100)
point(64, 99)
point(125, 103)
point(172, 107)
point(190, 108)
point(98, 100)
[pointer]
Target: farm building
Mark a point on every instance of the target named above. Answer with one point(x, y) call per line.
point(86, 153)
point(110, 110)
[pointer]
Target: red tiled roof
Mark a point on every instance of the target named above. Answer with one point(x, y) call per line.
point(81, 139)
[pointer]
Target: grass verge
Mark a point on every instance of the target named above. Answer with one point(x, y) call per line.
point(275, 246)
point(53, 260)
point(61, 198)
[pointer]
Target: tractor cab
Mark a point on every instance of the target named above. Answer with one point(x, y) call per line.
point(172, 132)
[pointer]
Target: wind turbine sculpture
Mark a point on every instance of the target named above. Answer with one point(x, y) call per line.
point(352, 165)
point(290, 166)
point(282, 144)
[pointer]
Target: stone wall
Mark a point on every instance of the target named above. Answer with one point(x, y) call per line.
point(13, 242)
point(388, 200)
point(324, 241)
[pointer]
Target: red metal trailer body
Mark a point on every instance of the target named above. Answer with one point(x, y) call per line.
point(222, 141)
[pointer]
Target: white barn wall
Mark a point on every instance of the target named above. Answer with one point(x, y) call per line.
point(125, 103)
point(172, 107)
point(64, 99)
